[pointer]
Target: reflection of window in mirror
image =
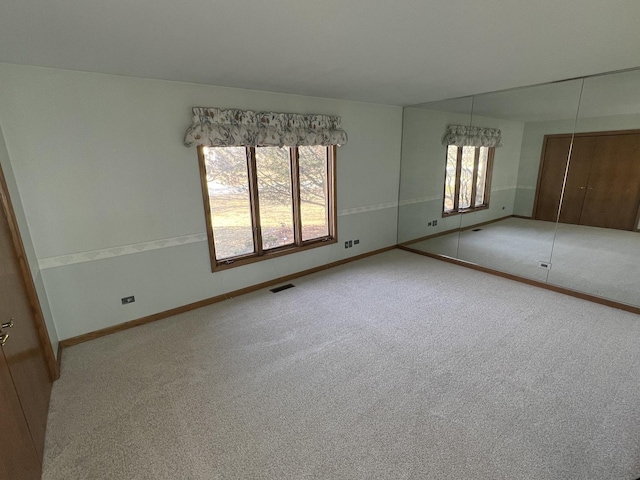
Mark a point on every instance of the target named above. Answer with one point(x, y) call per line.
point(467, 182)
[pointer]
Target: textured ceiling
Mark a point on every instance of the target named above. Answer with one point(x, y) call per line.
point(400, 53)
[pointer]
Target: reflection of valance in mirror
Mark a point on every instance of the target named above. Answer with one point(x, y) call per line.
point(466, 136)
point(218, 127)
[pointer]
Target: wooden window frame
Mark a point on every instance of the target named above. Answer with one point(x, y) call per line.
point(259, 254)
point(487, 185)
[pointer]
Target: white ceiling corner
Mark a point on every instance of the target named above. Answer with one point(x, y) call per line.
point(397, 53)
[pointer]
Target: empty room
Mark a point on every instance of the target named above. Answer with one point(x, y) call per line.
point(332, 240)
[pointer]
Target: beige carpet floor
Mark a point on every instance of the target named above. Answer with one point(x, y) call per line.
point(599, 261)
point(397, 366)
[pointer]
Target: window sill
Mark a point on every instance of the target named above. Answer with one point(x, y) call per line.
point(276, 252)
point(466, 210)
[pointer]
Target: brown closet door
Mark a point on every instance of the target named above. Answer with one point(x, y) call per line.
point(613, 192)
point(23, 350)
point(556, 152)
point(577, 179)
point(18, 459)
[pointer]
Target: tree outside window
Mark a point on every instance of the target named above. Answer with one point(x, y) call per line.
point(262, 202)
point(467, 183)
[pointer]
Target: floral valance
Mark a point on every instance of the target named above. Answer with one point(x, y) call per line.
point(216, 127)
point(461, 136)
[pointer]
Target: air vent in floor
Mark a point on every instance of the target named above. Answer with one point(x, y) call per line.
point(282, 287)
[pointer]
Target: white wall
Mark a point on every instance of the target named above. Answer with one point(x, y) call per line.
point(112, 197)
point(533, 139)
point(423, 171)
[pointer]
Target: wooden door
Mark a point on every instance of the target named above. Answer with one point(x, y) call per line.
point(577, 179)
point(613, 192)
point(554, 163)
point(19, 458)
point(27, 351)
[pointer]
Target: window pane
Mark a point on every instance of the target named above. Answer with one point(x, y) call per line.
point(466, 177)
point(274, 193)
point(482, 176)
point(228, 184)
point(450, 178)
point(314, 207)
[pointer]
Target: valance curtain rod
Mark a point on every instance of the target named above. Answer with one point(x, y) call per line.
point(216, 127)
point(466, 136)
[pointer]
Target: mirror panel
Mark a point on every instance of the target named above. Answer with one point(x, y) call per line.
point(505, 236)
point(564, 190)
point(425, 167)
point(597, 246)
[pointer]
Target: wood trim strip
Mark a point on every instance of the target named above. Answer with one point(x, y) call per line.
point(252, 166)
point(474, 184)
point(276, 252)
point(332, 193)
point(456, 201)
point(594, 134)
point(491, 153)
point(59, 356)
point(535, 283)
point(207, 205)
point(208, 301)
point(29, 284)
point(294, 165)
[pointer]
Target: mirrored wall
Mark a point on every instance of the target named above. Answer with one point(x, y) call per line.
point(541, 182)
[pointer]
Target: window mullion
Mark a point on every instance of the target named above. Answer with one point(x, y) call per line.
point(207, 205)
point(474, 184)
point(331, 191)
point(489, 173)
point(295, 195)
point(255, 201)
point(456, 201)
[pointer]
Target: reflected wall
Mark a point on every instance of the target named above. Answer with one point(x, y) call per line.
point(422, 176)
point(531, 226)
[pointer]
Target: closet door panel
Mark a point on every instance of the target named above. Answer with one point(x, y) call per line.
point(613, 192)
point(23, 349)
point(556, 152)
point(577, 179)
point(19, 459)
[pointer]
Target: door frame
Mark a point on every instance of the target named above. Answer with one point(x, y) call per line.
point(573, 135)
point(32, 294)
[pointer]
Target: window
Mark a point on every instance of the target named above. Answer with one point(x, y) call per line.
point(467, 183)
point(261, 202)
